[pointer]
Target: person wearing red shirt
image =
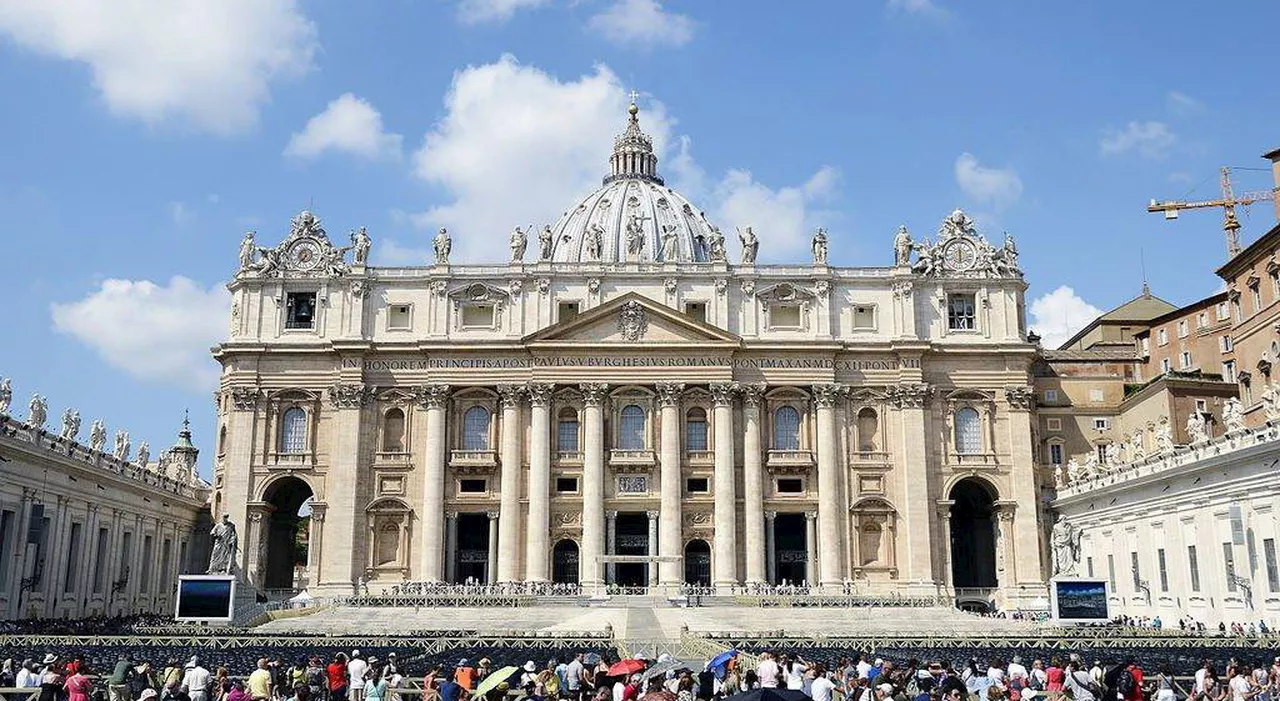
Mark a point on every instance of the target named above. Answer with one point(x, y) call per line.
point(337, 675)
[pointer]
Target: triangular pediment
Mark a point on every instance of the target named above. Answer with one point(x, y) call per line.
point(633, 319)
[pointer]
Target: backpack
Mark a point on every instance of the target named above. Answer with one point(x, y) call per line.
point(1126, 684)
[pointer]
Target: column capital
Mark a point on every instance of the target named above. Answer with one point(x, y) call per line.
point(770, 515)
point(811, 515)
point(348, 395)
point(1020, 397)
point(511, 395)
point(910, 395)
point(669, 393)
point(1005, 510)
point(752, 393)
point(611, 515)
point(653, 515)
point(944, 508)
point(593, 393)
point(826, 395)
point(432, 396)
point(540, 393)
point(493, 515)
point(245, 398)
point(722, 393)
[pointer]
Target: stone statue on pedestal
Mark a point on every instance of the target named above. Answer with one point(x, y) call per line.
point(715, 246)
point(519, 242)
point(1195, 428)
point(1271, 403)
point(225, 543)
point(670, 243)
point(1164, 436)
point(1233, 415)
point(1112, 454)
point(361, 244)
point(144, 454)
point(248, 249)
point(6, 394)
point(70, 424)
point(38, 411)
point(546, 242)
point(97, 436)
point(122, 446)
point(442, 245)
point(820, 246)
point(1065, 538)
point(595, 241)
point(902, 246)
point(750, 245)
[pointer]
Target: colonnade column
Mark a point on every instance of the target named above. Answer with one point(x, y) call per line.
point(770, 552)
point(753, 485)
point(491, 570)
point(593, 398)
point(830, 571)
point(726, 502)
point(811, 548)
point(912, 399)
point(451, 546)
point(669, 487)
point(508, 550)
point(537, 540)
point(611, 545)
point(653, 547)
point(433, 398)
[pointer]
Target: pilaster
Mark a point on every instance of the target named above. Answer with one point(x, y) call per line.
point(911, 400)
point(433, 398)
point(345, 563)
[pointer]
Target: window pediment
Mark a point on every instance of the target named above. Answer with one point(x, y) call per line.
point(479, 293)
point(786, 292)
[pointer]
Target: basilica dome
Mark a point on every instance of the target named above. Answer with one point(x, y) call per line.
point(634, 217)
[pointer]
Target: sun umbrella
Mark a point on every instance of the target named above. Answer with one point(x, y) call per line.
point(770, 695)
point(662, 668)
point(624, 668)
point(591, 658)
point(722, 659)
point(492, 681)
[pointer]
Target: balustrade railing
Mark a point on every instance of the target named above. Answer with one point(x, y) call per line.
point(473, 458)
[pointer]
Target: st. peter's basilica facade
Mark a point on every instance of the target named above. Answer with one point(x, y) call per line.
point(621, 404)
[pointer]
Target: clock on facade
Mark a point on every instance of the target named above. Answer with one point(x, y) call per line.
point(960, 254)
point(304, 254)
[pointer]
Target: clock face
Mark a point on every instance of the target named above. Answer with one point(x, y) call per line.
point(304, 255)
point(960, 255)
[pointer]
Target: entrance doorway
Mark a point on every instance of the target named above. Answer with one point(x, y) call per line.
point(973, 535)
point(791, 549)
point(564, 562)
point(631, 537)
point(472, 563)
point(697, 563)
point(288, 532)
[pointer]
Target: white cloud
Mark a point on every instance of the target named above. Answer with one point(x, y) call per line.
point(923, 8)
point(1150, 139)
point(207, 63)
point(480, 11)
point(784, 218)
point(642, 23)
point(1182, 103)
point(994, 187)
point(349, 124)
point(156, 333)
point(1059, 314)
point(391, 252)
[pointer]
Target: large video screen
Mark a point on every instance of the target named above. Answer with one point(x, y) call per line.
point(1083, 600)
point(205, 598)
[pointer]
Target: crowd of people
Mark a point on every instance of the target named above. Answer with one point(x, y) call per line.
point(593, 677)
point(1187, 624)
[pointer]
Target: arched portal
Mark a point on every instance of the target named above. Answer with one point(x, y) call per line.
point(697, 563)
point(564, 562)
point(288, 531)
point(973, 535)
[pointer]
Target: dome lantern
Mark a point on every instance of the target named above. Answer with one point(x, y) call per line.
point(633, 155)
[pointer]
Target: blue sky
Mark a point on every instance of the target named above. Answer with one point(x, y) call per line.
point(143, 137)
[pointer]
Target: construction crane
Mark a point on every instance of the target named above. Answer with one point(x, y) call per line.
point(1228, 202)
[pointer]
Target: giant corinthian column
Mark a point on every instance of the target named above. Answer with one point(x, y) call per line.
point(539, 532)
point(433, 398)
point(669, 487)
point(753, 485)
point(830, 554)
point(508, 552)
point(593, 398)
point(726, 501)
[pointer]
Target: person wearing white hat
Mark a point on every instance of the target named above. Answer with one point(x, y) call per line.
point(147, 694)
point(529, 675)
point(357, 669)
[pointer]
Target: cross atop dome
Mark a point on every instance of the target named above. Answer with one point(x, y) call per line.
point(633, 155)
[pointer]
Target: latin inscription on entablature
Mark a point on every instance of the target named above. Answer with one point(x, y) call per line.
point(623, 361)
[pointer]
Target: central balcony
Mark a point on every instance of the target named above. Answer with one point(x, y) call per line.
point(789, 461)
point(473, 461)
point(631, 460)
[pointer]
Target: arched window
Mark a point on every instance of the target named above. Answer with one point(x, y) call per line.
point(567, 431)
point(868, 426)
point(222, 440)
point(475, 429)
point(293, 431)
point(631, 430)
point(695, 429)
point(786, 428)
point(968, 431)
point(393, 431)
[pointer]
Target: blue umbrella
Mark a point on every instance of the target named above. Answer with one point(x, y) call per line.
point(719, 661)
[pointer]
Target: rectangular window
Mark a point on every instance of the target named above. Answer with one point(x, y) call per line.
point(790, 485)
point(1137, 572)
point(1100, 451)
point(1055, 453)
point(1201, 406)
point(633, 484)
point(1096, 396)
point(697, 310)
point(1227, 344)
point(961, 312)
point(300, 310)
point(786, 316)
point(145, 584)
point(1229, 371)
point(1051, 395)
point(1193, 564)
point(1164, 572)
point(1275, 282)
point(1182, 329)
point(1223, 311)
point(100, 561)
point(1165, 365)
point(567, 485)
point(695, 435)
point(1053, 424)
point(1162, 337)
point(1229, 564)
point(864, 316)
point(1101, 424)
point(566, 311)
point(472, 486)
point(126, 557)
point(73, 559)
point(477, 316)
point(567, 435)
point(1202, 320)
point(1235, 307)
point(1269, 555)
point(1088, 566)
point(1111, 571)
point(165, 562)
point(182, 557)
point(697, 485)
point(1146, 345)
point(1246, 392)
point(400, 317)
point(1186, 359)
point(1256, 294)
point(6, 547)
